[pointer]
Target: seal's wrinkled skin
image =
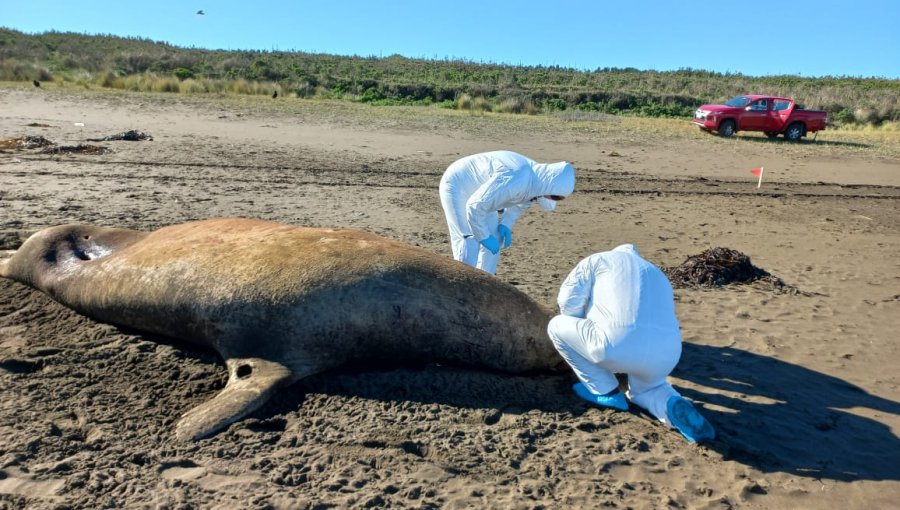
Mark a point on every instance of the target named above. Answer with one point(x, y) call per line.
point(280, 302)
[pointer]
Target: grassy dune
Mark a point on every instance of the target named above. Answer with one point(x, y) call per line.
point(143, 65)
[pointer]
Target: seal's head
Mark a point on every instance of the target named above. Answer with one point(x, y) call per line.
point(56, 251)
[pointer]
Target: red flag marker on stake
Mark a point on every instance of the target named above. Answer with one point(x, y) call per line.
point(759, 172)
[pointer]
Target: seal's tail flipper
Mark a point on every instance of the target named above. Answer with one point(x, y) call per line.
point(251, 382)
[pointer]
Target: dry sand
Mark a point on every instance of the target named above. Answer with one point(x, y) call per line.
point(803, 389)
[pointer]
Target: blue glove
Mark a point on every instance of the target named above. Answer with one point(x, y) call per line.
point(505, 235)
point(491, 244)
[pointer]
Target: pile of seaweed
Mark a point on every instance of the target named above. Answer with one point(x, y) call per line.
point(717, 267)
point(48, 147)
point(130, 136)
point(81, 148)
point(25, 142)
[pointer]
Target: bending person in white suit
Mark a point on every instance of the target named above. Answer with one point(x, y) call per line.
point(484, 194)
point(618, 316)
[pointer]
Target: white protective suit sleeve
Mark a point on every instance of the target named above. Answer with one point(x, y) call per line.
point(505, 189)
point(576, 291)
point(512, 213)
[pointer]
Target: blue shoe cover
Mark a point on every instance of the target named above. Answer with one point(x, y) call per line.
point(692, 425)
point(615, 400)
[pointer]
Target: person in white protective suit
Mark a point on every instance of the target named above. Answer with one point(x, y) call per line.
point(617, 315)
point(484, 194)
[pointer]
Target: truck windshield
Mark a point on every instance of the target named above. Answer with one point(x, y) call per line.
point(737, 102)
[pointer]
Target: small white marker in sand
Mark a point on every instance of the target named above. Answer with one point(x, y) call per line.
point(79, 124)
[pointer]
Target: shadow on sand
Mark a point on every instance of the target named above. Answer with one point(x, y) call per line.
point(788, 418)
point(783, 417)
point(804, 141)
point(770, 415)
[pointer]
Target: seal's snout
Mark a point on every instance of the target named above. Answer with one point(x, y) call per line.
point(87, 248)
point(5, 256)
point(75, 246)
point(80, 254)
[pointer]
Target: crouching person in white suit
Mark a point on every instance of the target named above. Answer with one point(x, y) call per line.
point(618, 316)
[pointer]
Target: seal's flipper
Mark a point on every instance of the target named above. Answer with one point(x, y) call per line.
point(251, 382)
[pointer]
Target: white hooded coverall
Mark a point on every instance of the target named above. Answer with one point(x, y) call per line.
point(618, 315)
point(476, 190)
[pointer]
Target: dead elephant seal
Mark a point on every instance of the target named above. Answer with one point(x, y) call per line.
point(281, 302)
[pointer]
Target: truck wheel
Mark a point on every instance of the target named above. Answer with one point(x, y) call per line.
point(726, 128)
point(772, 134)
point(794, 132)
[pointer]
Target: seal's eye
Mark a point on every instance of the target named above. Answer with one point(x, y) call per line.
point(87, 237)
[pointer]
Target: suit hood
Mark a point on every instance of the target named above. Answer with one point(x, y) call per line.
point(554, 179)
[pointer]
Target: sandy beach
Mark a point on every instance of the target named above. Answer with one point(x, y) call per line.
point(803, 387)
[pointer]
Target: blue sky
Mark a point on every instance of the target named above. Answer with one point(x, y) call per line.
point(825, 37)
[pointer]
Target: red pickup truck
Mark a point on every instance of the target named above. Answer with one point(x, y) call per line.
point(769, 114)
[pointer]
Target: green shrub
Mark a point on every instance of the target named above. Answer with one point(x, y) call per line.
point(555, 104)
point(183, 74)
point(371, 95)
point(845, 116)
point(663, 110)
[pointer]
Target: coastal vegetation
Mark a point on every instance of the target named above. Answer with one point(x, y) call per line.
point(139, 64)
